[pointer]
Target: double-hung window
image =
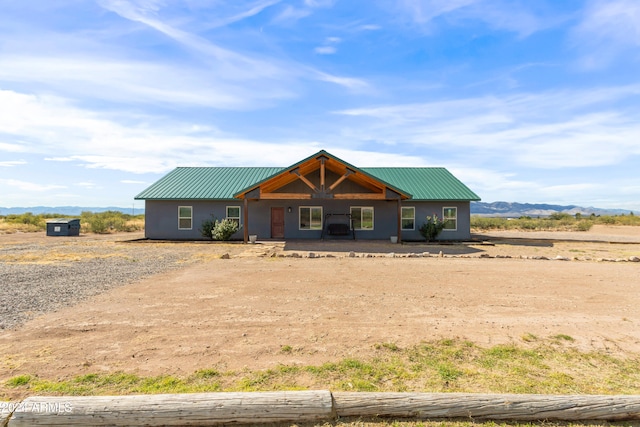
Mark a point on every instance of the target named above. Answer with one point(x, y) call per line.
point(450, 218)
point(408, 218)
point(310, 218)
point(233, 213)
point(362, 217)
point(185, 217)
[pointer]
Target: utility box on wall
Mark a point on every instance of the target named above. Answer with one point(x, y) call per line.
point(63, 227)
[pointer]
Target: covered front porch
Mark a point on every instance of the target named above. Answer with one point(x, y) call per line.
point(322, 197)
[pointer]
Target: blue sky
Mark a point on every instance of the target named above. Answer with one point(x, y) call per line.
point(525, 101)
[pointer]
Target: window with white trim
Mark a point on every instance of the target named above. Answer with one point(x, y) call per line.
point(185, 217)
point(450, 218)
point(362, 217)
point(310, 217)
point(233, 213)
point(408, 218)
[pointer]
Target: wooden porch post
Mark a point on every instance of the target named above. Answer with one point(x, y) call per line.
point(399, 220)
point(246, 219)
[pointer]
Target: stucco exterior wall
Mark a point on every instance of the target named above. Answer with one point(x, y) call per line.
point(424, 209)
point(161, 218)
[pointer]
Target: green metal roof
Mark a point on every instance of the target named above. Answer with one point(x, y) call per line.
point(205, 183)
point(425, 183)
point(210, 183)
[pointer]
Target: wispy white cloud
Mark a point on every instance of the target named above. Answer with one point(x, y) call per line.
point(557, 190)
point(58, 159)
point(319, 3)
point(25, 193)
point(356, 85)
point(497, 14)
point(533, 189)
point(325, 50)
point(231, 65)
point(291, 14)
point(329, 46)
point(11, 163)
point(608, 29)
point(234, 65)
point(547, 130)
point(87, 185)
point(490, 181)
point(138, 82)
point(248, 12)
point(91, 64)
point(61, 132)
point(15, 184)
point(11, 147)
point(510, 16)
point(423, 11)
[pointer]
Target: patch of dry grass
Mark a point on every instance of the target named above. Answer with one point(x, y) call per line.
point(537, 366)
point(56, 256)
point(551, 366)
point(555, 222)
point(12, 227)
point(35, 223)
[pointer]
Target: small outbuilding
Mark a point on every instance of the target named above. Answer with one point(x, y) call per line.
point(63, 227)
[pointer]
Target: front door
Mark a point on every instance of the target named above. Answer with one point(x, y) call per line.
point(277, 223)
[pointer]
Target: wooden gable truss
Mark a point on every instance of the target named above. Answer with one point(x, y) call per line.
point(327, 188)
point(333, 173)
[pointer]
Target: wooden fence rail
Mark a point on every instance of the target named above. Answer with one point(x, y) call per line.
point(517, 407)
point(193, 409)
point(200, 409)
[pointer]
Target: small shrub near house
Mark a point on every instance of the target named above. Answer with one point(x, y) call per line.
point(206, 228)
point(223, 230)
point(432, 227)
point(219, 229)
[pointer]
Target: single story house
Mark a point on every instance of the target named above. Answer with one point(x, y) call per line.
point(319, 197)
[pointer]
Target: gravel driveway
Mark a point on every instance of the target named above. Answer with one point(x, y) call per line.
point(40, 274)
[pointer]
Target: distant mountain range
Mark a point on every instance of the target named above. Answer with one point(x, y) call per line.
point(67, 210)
point(503, 209)
point(514, 210)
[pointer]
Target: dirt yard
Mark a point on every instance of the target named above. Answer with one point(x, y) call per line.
point(330, 300)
